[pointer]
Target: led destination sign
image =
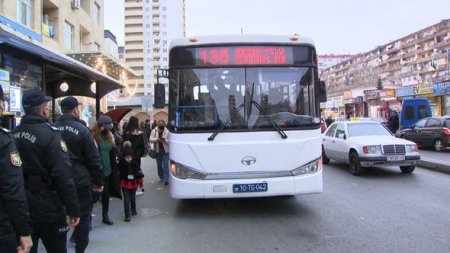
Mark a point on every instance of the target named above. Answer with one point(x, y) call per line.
point(242, 55)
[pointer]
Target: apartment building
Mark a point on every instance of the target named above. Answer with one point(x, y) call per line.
point(327, 60)
point(372, 83)
point(150, 25)
point(36, 35)
point(62, 25)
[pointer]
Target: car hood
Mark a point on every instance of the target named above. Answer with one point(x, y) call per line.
point(379, 139)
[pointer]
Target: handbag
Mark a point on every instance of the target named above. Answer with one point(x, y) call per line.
point(152, 152)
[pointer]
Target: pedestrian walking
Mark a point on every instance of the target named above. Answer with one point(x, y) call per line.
point(87, 165)
point(160, 139)
point(14, 217)
point(131, 177)
point(48, 178)
point(106, 147)
point(136, 136)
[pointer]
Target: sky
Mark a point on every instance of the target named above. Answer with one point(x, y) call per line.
point(336, 26)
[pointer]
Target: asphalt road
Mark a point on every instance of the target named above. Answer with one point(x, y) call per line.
point(383, 211)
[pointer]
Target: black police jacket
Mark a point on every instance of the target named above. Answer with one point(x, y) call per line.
point(86, 161)
point(49, 185)
point(13, 203)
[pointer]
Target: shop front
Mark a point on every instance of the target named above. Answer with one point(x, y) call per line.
point(442, 90)
point(421, 90)
point(25, 65)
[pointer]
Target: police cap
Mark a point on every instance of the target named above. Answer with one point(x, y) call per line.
point(34, 97)
point(69, 103)
point(105, 121)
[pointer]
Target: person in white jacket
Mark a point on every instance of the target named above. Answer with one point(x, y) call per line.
point(160, 139)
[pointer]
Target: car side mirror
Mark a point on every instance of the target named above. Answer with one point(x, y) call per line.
point(341, 136)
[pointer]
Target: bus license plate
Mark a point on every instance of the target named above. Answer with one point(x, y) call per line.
point(259, 187)
point(396, 158)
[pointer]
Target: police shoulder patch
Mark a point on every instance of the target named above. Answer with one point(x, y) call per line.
point(63, 146)
point(15, 159)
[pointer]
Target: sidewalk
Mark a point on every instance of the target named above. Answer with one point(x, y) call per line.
point(437, 161)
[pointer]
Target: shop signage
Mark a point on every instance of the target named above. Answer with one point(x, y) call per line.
point(371, 94)
point(387, 93)
point(405, 91)
point(441, 88)
point(347, 94)
point(422, 89)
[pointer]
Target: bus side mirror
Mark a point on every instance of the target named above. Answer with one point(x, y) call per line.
point(322, 91)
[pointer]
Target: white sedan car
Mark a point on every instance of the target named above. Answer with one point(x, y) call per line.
point(365, 144)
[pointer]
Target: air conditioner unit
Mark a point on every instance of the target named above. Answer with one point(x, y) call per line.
point(76, 4)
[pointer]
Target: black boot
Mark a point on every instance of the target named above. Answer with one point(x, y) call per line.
point(107, 220)
point(127, 218)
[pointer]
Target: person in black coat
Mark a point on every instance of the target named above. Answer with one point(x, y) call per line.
point(130, 176)
point(87, 165)
point(14, 218)
point(48, 175)
point(137, 137)
point(393, 122)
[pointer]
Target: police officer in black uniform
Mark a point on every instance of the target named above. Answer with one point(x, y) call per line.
point(14, 217)
point(50, 189)
point(86, 163)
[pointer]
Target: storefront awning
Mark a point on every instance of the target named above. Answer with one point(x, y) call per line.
point(59, 68)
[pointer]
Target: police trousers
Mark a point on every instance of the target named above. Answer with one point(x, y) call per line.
point(81, 232)
point(8, 243)
point(52, 234)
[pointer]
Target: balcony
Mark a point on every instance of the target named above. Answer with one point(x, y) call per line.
point(50, 14)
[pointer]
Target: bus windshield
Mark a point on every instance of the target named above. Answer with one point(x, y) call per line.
point(242, 98)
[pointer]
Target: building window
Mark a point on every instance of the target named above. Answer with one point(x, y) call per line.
point(96, 14)
point(68, 35)
point(25, 12)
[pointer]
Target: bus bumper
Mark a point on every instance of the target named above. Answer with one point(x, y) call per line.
point(279, 186)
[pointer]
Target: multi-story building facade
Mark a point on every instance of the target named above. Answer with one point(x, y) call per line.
point(327, 60)
point(150, 25)
point(372, 83)
point(37, 36)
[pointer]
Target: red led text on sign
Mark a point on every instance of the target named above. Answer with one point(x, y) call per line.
point(261, 55)
point(243, 55)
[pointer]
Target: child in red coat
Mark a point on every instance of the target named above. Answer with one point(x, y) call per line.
point(131, 177)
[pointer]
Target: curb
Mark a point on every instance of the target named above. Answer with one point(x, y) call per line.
point(434, 165)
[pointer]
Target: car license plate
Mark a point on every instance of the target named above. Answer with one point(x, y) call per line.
point(396, 158)
point(259, 187)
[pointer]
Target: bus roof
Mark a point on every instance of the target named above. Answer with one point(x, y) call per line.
point(240, 39)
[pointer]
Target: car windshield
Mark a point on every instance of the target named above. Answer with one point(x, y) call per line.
point(368, 129)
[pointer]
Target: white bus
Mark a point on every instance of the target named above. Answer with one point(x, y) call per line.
point(244, 117)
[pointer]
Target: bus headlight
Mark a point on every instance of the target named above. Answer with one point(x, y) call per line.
point(183, 172)
point(310, 168)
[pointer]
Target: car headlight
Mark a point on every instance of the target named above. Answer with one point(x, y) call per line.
point(411, 148)
point(184, 172)
point(310, 168)
point(375, 149)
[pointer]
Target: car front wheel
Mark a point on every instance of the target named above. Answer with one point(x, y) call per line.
point(407, 169)
point(438, 145)
point(355, 164)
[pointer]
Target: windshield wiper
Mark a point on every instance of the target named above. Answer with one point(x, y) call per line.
point(270, 120)
point(218, 130)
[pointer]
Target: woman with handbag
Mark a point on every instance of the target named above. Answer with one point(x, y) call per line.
point(106, 147)
point(160, 140)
